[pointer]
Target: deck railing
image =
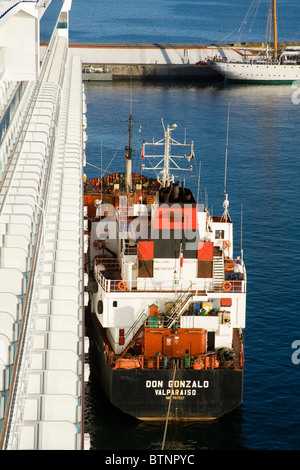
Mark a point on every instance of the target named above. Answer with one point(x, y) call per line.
point(223, 358)
point(108, 274)
point(159, 362)
point(127, 286)
point(6, 5)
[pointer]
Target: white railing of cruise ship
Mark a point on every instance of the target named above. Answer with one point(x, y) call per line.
point(22, 373)
point(6, 5)
point(14, 408)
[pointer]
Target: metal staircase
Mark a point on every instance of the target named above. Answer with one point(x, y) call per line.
point(179, 306)
point(218, 270)
point(135, 328)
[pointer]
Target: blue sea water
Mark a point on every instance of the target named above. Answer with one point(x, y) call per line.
point(180, 21)
point(262, 183)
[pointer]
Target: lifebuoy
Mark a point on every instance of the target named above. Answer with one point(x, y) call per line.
point(122, 285)
point(226, 285)
point(229, 265)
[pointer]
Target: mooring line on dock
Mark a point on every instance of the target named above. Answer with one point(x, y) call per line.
point(98, 168)
point(169, 407)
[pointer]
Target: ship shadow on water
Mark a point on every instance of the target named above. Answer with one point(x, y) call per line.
point(111, 429)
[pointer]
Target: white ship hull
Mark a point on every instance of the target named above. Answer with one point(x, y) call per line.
point(255, 72)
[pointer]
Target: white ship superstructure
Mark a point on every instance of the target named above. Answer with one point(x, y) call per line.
point(196, 276)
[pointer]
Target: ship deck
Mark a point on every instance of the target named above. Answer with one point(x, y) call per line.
point(110, 279)
point(128, 361)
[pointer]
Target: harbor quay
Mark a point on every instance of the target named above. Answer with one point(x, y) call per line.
point(156, 61)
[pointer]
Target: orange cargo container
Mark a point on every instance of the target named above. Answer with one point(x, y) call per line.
point(193, 341)
point(175, 345)
point(226, 302)
point(153, 341)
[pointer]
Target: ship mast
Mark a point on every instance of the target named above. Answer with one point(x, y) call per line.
point(166, 176)
point(167, 142)
point(128, 158)
point(275, 29)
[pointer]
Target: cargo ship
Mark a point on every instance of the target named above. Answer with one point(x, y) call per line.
point(167, 300)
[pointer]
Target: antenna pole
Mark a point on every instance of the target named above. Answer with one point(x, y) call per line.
point(199, 183)
point(242, 232)
point(226, 153)
point(226, 202)
point(101, 168)
point(128, 156)
point(165, 179)
point(275, 28)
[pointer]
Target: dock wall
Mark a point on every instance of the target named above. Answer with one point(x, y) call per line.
point(159, 61)
point(147, 61)
point(153, 72)
point(151, 54)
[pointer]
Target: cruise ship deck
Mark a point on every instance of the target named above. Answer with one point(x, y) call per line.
point(42, 148)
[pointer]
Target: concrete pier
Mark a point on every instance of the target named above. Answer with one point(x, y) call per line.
point(153, 72)
point(146, 61)
point(160, 61)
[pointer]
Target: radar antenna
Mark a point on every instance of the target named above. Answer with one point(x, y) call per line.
point(167, 159)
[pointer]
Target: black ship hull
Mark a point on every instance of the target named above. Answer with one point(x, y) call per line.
point(145, 393)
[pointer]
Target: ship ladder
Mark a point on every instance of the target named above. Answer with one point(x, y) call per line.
point(218, 271)
point(179, 307)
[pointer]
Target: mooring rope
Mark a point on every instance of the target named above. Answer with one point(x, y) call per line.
point(169, 407)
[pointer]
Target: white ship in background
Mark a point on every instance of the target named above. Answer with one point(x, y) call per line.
point(274, 66)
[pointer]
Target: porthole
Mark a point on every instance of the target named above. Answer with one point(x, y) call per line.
point(100, 307)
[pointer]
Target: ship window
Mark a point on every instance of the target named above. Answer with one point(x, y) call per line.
point(205, 269)
point(219, 234)
point(115, 303)
point(145, 268)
